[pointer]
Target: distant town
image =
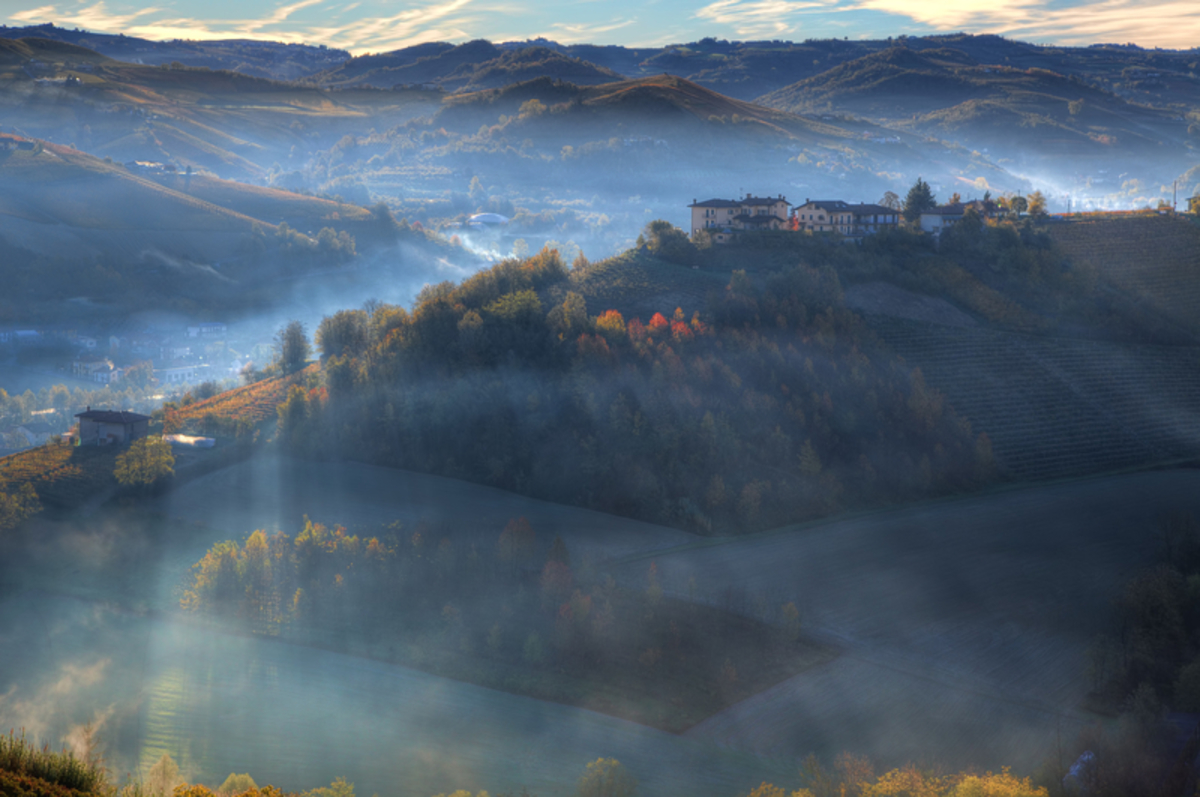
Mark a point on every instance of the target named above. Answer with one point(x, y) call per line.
point(138, 368)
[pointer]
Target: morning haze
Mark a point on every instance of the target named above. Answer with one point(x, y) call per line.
point(737, 417)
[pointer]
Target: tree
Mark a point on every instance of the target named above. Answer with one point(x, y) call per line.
point(1037, 204)
point(163, 778)
point(891, 200)
point(146, 462)
point(236, 784)
point(606, 777)
point(17, 505)
point(1019, 205)
point(140, 375)
point(346, 332)
point(920, 198)
point(663, 239)
point(516, 542)
point(291, 347)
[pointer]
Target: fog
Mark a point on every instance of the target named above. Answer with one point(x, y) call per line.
point(707, 509)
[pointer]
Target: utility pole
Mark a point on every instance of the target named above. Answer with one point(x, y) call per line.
point(1175, 195)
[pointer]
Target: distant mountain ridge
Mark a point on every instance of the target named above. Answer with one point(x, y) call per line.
point(273, 60)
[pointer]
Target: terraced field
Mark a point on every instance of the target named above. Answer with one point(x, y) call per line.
point(1152, 259)
point(1056, 407)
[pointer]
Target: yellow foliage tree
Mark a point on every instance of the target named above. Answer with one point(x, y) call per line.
point(147, 461)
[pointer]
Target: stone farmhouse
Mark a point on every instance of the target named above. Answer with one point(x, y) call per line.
point(721, 217)
point(724, 218)
point(111, 427)
point(841, 217)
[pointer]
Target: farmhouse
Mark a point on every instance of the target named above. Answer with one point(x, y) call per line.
point(109, 427)
point(937, 219)
point(722, 217)
point(842, 217)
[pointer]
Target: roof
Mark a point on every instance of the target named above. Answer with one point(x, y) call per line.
point(112, 416)
point(826, 204)
point(762, 200)
point(863, 209)
point(715, 203)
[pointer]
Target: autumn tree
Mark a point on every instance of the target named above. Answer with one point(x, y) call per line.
point(515, 546)
point(291, 347)
point(606, 777)
point(1037, 204)
point(891, 200)
point(163, 778)
point(237, 784)
point(18, 504)
point(146, 462)
point(346, 332)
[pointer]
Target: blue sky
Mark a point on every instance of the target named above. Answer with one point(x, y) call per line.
point(380, 25)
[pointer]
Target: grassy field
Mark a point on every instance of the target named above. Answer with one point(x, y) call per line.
point(963, 622)
point(276, 493)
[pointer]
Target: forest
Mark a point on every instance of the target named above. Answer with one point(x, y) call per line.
point(517, 614)
point(771, 403)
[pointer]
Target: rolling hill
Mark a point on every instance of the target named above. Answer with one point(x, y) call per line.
point(468, 67)
point(232, 124)
point(947, 93)
point(272, 60)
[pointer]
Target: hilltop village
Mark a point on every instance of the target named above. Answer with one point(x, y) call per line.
point(722, 220)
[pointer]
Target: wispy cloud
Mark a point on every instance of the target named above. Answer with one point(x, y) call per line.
point(754, 18)
point(431, 22)
point(95, 17)
point(569, 33)
point(1160, 23)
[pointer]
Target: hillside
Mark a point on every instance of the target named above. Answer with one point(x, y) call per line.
point(468, 67)
point(84, 237)
point(229, 123)
point(1026, 112)
point(1151, 260)
point(272, 60)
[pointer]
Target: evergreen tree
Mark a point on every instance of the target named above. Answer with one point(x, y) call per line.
point(920, 198)
point(291, 347)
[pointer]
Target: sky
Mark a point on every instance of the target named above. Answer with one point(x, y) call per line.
point(364, 26)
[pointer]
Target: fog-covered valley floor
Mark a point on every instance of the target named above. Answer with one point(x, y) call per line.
point(961, 626)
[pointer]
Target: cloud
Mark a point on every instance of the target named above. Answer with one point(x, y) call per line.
point(569, 33)
point(1151, 23)
point(755, 18)
point(95, 17)
point(409, 27)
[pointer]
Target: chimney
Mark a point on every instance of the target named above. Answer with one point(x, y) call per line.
point(89, 408)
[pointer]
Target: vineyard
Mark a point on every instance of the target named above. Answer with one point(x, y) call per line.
point(1056, 407)
point(234, 413)
point(64, 476)
point(1153, 260)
